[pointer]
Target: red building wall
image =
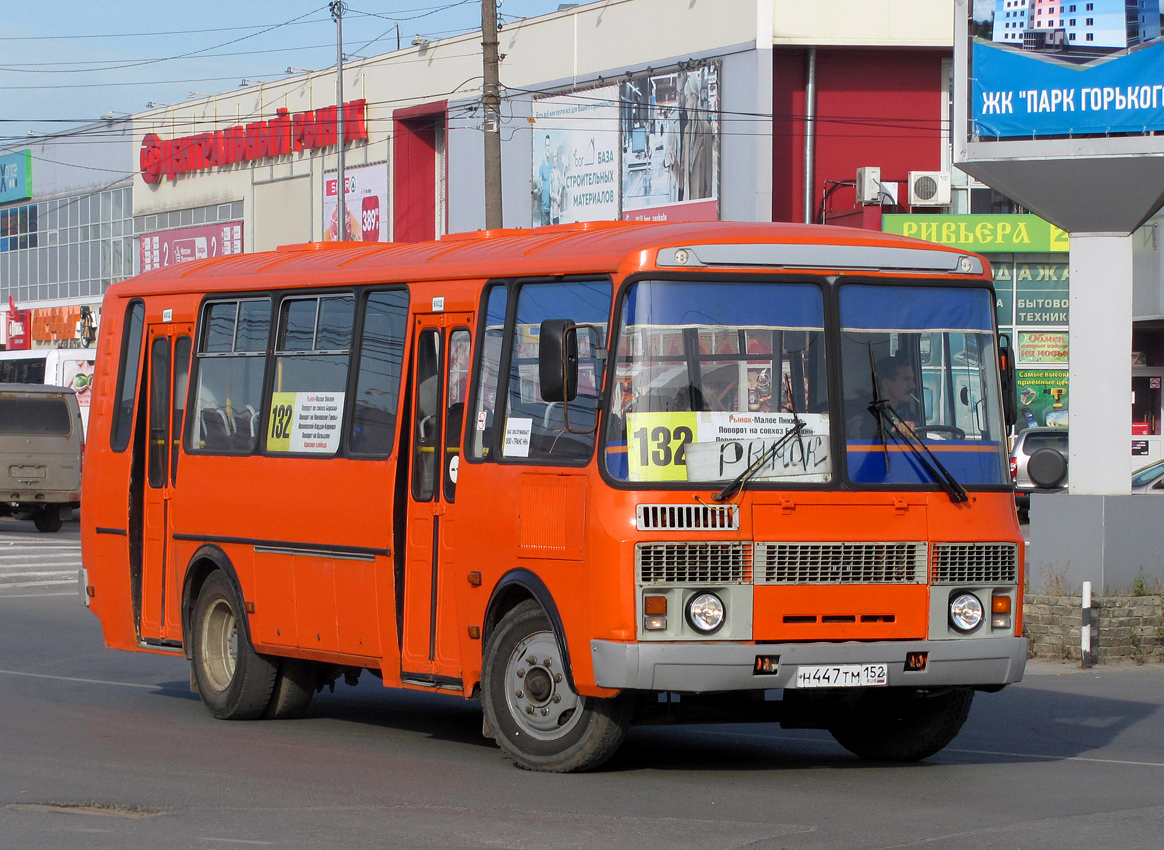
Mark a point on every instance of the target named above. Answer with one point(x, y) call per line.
point(874, 108)
point(417, 132)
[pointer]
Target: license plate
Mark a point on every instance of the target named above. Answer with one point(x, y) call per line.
point(842, 676)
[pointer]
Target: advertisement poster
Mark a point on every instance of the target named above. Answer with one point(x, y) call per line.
point(77, 375)
point(575, 157)
point(1042, 347)
point(670, 146)
point(1067, 81)
point(170, 247)
point(366, 203)
point(1042, 396)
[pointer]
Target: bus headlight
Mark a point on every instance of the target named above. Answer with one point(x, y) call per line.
point(706, 613)
point(966, 612)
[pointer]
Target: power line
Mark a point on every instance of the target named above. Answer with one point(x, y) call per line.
point(168, 58)
point(125, 35)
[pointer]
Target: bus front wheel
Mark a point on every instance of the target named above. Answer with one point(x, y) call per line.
point(235, 682)
point(901, 724)
point(536, 717)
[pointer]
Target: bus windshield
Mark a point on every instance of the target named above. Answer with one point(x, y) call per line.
point(708, 377)
point(931, 354)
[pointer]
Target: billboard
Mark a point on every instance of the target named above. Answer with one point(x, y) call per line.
point(365, 201)
point(575, 157)
point(170, 247)
point(1024, 94)
point(670, 145)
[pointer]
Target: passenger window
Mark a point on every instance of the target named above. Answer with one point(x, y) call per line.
point(427, 425)
point(381, 353)
point(127, 380)
point(159, 449)
point(231, 364)
point(480, 442)
point(311, 374)
point(181, 384)
point(458, 383)
point(535, 428)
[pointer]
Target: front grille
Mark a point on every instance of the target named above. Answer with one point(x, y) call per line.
point(840, 563)
point(688, 517)
point(974, 563)
point(694, 563)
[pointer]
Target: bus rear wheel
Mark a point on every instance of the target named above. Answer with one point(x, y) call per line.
point(535, 715)
point(235, 682)
point(294, 687)
point(901, 724)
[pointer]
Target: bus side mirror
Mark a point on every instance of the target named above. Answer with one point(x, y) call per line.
point(558, 360)
point(1006, 372)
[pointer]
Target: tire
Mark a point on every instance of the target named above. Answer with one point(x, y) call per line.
point(294, 687)
point(535, 715)
point(48, 519)
point(903, 725)
point(234, 681)
point(1047, 468)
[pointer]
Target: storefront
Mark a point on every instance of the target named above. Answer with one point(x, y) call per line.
point(64, 238)
point(1032, 281)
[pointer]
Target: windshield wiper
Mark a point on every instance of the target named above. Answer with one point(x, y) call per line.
point(883, 410)
point(939, 473)
point(738, 483)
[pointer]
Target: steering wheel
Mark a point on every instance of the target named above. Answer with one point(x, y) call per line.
point(940, 432)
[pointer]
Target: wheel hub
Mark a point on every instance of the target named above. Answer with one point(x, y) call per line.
point(538, 694)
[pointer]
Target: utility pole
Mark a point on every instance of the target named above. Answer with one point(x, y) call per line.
point(337, 13)
point(491, 101)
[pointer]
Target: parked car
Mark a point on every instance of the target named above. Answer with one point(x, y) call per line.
point(1149, 479)
point(41, 441)
point(1038, 462)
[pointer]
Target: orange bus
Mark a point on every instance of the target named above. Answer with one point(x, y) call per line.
point(588, 474)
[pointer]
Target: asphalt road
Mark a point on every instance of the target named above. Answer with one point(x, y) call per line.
point(105, 749)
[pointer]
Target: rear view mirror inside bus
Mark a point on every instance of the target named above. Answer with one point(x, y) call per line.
point(558, 360)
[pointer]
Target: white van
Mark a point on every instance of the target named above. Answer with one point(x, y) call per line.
point(41, 443)
point(61, 367)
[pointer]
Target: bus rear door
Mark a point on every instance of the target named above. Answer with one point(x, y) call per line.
point(440, 347)
point(168, 370)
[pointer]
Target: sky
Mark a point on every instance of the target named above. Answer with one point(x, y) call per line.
point(78, 61)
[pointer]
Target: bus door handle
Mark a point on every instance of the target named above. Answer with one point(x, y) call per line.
point(438, 508)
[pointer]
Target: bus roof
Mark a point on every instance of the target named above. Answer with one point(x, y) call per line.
point(603, 247)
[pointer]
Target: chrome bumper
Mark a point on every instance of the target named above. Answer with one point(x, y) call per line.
point(707, 667)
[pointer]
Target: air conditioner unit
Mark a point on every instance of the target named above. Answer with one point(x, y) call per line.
point(929, 189)
point(868, 185)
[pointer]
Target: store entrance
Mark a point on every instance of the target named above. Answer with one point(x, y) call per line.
point(1147, 414)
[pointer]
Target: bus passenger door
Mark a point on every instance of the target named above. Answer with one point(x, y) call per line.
point(167, 370)
point(440, 347)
